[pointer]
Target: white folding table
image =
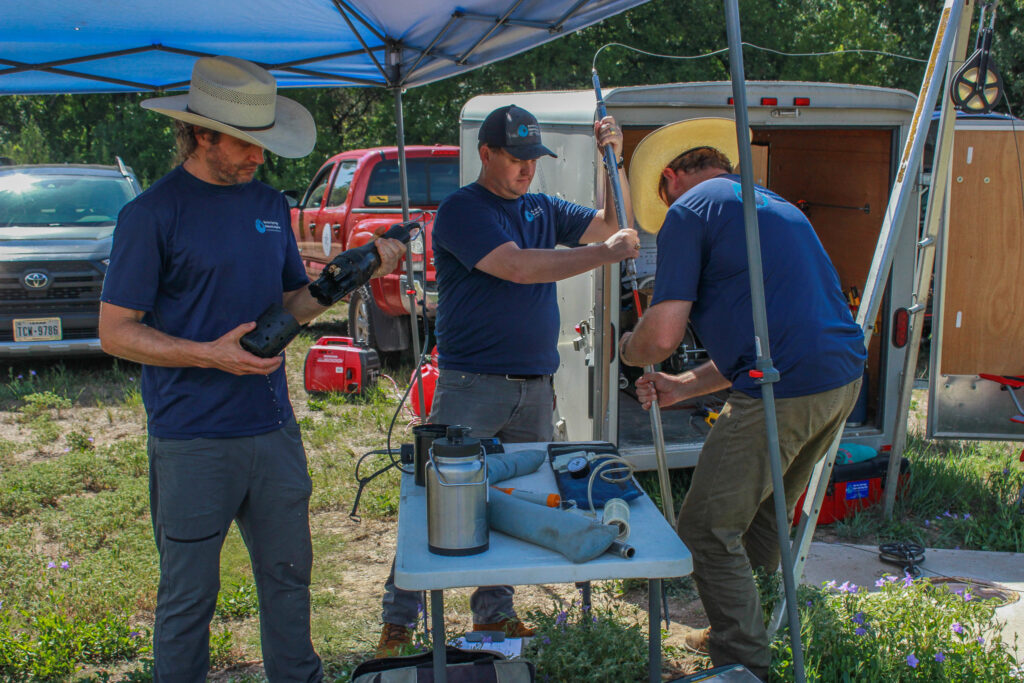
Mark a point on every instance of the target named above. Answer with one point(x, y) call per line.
point(509, 561)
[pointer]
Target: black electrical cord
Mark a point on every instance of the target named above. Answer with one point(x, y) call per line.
point(389, 451)
point(903, 554)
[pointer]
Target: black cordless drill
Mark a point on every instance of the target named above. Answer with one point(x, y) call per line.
point(351, 269)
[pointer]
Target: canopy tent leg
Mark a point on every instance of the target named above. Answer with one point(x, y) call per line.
point(769, 374)
point(403, 179)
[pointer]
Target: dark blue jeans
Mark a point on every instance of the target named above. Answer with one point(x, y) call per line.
point(197, 488)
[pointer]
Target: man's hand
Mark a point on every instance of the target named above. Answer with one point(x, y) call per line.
point(390, 252)
point(607, 132)
point(623, 244)
point(226, 354)
point(667, 389)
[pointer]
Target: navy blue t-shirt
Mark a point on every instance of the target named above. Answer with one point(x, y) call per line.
point(486, 324)
point(199, 260)
point(815, 344)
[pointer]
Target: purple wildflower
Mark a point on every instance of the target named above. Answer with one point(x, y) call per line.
point(880, 582)
point(939, 657)
point(981, 641)
point(845, 588)
point(927, 523)
point(32, 372)
point(547, 641)
point(65, 565)
point(808, 603)
point(891, 578)
point(51, 565)
point(1006, 470)
point(830, 584)
point(19, 376)
point(946, 514)
point(131, 379)
point(967, 515)
point(968, 597)
point(957, 628)
point(134, 634)
point(852, 588)
point(562, 617)
point(858, 618)
point(912, 661)
point(860, 631)
point(908, 580)
point(90, 439)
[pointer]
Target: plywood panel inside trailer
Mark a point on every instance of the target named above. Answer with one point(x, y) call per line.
point(982, 324)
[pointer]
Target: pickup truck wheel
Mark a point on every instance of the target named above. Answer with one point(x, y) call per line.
point(360, 320)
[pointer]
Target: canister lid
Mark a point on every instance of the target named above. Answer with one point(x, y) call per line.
point(457, 443)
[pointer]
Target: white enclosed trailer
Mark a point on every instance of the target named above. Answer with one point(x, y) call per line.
point(833, 149)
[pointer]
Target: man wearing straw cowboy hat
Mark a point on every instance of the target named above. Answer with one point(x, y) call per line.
point(195, 260)
point(727, 519)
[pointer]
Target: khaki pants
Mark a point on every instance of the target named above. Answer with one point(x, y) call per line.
point(728, 517)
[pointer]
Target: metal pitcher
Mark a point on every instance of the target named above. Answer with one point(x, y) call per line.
point(456, 474)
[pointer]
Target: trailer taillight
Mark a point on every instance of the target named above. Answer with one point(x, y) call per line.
point(900, 327)
point(769, 101)
point(801, 101)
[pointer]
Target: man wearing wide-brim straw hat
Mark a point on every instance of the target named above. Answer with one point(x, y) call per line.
point(196, 259)
point(683, 189)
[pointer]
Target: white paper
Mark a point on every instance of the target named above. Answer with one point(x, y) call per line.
point(510, 647)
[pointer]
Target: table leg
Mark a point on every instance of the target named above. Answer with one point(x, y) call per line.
point(654, 631)
point(585, 594)
point(438, 637)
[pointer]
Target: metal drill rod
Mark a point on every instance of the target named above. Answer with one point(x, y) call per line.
point(612, 166)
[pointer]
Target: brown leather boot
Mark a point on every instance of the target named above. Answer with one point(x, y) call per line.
point(513, 628)
point(696, 639)
point(393, 639)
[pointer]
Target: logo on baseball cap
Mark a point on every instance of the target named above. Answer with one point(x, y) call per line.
point(516, 131)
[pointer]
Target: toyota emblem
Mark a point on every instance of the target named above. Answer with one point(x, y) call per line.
point(36, 280)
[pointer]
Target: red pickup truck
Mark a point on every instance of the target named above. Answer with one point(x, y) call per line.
point(356, 195)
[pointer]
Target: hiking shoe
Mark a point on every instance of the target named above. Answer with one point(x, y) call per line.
point(393, 637)
point(696, 640)
point(513, 628)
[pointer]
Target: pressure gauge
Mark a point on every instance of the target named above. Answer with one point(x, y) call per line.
point(579, 467)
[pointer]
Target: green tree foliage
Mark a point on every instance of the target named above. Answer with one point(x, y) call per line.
point(95, 128)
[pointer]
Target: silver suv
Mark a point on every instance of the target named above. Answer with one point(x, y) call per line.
point(56, 226)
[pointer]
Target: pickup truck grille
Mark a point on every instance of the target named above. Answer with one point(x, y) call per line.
point(74, 291)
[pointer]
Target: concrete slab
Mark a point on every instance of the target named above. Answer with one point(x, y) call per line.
point(859, 564)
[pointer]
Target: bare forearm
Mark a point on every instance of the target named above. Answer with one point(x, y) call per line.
point(531, 266)
point(706, 380)
point(301, 304)
point(143, 344)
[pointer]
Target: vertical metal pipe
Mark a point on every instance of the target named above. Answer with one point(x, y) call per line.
point(658, 434)
point(438, 637)
point(654, 631)
point(403, 179)
point(764, 361)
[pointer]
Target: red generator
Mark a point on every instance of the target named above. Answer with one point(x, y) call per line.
point(339, 364)
point(853, 487)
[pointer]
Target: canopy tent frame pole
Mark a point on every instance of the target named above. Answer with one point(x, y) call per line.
point(767, 375)
point(951, 17)
point(403, 179)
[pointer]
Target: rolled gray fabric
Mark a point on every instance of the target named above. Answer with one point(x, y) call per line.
point(502, 466)
point(576, 537)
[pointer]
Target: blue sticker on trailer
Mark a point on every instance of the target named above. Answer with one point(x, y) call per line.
point(855, 490)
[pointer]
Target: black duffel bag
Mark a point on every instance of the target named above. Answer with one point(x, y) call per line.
point(464, 666)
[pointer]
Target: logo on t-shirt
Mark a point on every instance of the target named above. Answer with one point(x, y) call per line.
point(263, 226)
point(531, 212)
point(760, 198)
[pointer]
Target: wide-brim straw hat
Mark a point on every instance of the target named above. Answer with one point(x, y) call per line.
point(659, 148)
point(239, 98)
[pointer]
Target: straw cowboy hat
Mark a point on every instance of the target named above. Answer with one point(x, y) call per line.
point(658, 149)
point(237, 97)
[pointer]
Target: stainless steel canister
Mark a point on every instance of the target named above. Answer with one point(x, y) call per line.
point(456, 475)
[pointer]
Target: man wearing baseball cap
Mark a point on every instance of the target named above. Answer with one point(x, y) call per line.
point(684, 189)
point(497, 317)
point(196, 259)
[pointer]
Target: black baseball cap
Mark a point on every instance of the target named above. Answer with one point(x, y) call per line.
point(516, 131)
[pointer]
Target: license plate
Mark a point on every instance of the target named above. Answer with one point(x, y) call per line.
point(37, 329)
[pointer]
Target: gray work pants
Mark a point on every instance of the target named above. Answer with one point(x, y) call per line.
point(197, 487)
point(515, 411)
point(728, 517)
